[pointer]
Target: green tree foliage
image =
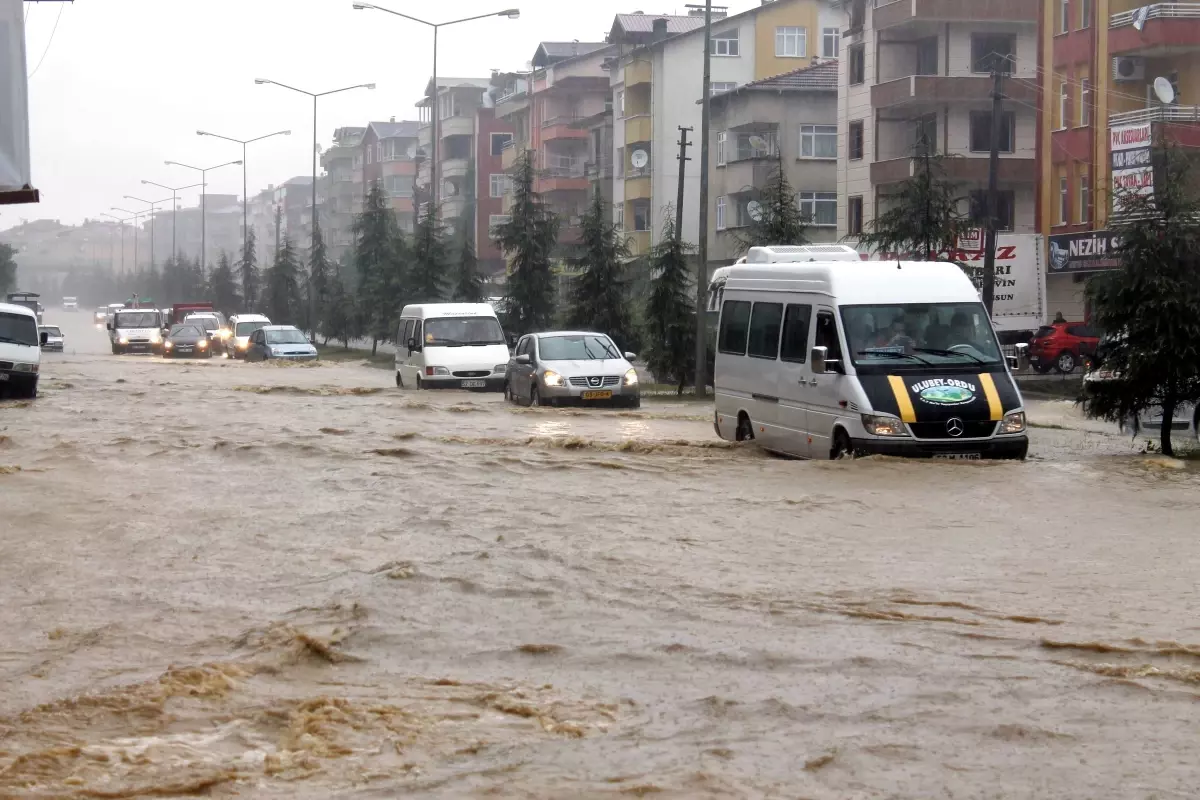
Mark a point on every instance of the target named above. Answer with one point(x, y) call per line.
point(528, 239)
point(670, 320)
point(319, 279)
point(599, 298)
point(379, 262)
point(779, 221)
point(427, 260)
point(249, 273)
point(922, 216)
point(8, 268)
point(341, 320)
point(1149, 305)
point(222, 286)
point(468, 280)
point(182, 280)
point(283, 300)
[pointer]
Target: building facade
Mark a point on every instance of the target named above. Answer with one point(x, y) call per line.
point(343, 193)
point(389, 158)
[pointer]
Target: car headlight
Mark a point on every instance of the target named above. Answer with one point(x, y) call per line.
point(124, 340)
point(500, 368)
point(21, 367)
point(631, 378)
point(202, 344)
point(155, 338)
point(168, 345)
point(224, 334)
point(243, 345)
point(879, 425)
point(1013, 422)
point(436, 371)
point(552, 378)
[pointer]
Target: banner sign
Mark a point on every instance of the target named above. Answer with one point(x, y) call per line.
point(1019, 293)
point(1131, 161)
point(1083, 252)
point(15, 181)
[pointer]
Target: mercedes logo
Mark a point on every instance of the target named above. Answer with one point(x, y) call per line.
point(955, 427)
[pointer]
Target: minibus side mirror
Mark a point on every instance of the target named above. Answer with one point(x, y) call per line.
point(45, 337)
point(818, 360)
point(412, 344)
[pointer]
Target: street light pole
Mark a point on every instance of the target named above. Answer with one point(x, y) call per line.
point(153, 211)
point(510, 13)
point(121, 222)
point(174, 207)
point(203, 205)
point(245, 186)
point(134, 215)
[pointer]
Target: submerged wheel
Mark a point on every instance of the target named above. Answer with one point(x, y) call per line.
point(745, 429)
point(420, 385)
point(399, 380)
point(535, 397)
point(842, 446)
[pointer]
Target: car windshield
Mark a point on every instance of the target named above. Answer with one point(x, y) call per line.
point(186, 330)
point(53, 330)
point(247, 328)
point(137, 319)
point(463, 331)
point(18, 329)
point(576, 347)
point(940, 334)
point(286, 336)
point(208, 323)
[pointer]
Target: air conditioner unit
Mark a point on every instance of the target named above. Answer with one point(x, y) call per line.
point(1128, 69)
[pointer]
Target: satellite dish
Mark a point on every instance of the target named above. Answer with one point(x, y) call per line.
point(639, 158)
point(754, 210)
point(758, 142)
point(1164, 91)
point(451, 189)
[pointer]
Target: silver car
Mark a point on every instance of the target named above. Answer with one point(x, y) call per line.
point(571, 366)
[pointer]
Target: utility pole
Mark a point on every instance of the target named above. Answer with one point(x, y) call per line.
point(993, 197)
point(702, 257)
point(683, 159)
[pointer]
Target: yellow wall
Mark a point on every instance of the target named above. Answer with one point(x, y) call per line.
point(1101, 158)
point(1048, 27)
point(801, 13)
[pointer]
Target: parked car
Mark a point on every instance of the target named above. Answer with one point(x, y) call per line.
point(240, 328)
point(571, 366)
point(187, 341)
point(1062, 346)
point(52, 337)
point(284, 342)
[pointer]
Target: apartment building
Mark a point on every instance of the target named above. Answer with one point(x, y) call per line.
point(657, 79)
point(1101, 112)
point(787, 122)
point(389, 158)
point(917, 75)
point(343, 194)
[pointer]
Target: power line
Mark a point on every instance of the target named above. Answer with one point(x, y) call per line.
point(52, 32)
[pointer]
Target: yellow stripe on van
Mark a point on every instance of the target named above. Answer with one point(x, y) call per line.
point(993, 397)
point(907, 413)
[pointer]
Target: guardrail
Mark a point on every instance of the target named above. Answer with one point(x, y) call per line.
point(1169, 114)
point(1157, 11)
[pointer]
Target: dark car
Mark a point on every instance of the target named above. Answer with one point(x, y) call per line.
point(187, 341)
point(1062, 346)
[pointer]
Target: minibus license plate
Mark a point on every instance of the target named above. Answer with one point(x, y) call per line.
point(474, 384)
point(958, 456)
point(606, 395)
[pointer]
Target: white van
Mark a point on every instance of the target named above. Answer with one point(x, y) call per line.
point(835, 359)
point(451, 346)
point(20, 350)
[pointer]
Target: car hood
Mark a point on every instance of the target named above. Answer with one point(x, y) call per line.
point(468, 357)
point(20, 352)
point(590, 366)
point(298, 347)
point(175, 340)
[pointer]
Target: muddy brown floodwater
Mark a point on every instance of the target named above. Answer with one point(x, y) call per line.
point(300, 582)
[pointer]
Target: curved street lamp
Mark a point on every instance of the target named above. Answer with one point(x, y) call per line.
point(203, 205)
point(245, 191)
point(174, 206)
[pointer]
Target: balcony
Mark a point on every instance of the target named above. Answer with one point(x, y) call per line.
point(511, 154)
point(1166, 114)
point(562, 127)
point(637, 129)
point(638, 241)
point(452, 207)
point(917, 12)
point(454, 168)
point(637, 185)
point(638, 72)
point(1167, 28)
point(456, 126)
point(562, 183)
point(968, 170)
point(916, 90)
point(598, 170)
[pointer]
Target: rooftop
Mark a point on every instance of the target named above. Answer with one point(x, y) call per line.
point(644, 23)
point(406, 129)
point(550, 52)
point(819, 77)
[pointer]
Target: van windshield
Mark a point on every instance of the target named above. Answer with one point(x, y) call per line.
point(920, 334)
point(463, 331)
point(137, 319)
point(18, 329)
point(247, 328)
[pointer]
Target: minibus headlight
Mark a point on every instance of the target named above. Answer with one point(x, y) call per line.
point(878, 425)
point(1014, 422)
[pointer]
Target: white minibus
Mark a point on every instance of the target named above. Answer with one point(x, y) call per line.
point(451, 346)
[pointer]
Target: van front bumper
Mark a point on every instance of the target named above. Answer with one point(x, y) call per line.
point(492, 382)
point(1002, 447)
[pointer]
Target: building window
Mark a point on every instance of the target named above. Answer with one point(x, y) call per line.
point(854, 216)
point(856, 140)
point(993, 51)
point(494, 220)
point(1085, 14)
point(1064, 202)
point(1085, 199)
point(1085, 103)
point(722, 141)
point(497, 184)
point(927, 56)
point(1064, 16)
point(398, 185)
point(830, 37)
point(641, 215)
point(981, 131)
point(500, 141)
point(1064, 104)
point(370, 154)
point(762, 144)
point(1005, 209)
point(820, 208)
point(791, 42)
point(718, 87)
point(725, 43)
point(722, 204)
point(858, 64)
point(818, 141)
point(858, 15)
point(620, 102)
point(620, 162)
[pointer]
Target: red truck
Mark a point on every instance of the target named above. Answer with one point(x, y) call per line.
point(181, 310)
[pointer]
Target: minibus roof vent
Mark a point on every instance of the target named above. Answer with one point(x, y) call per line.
point(795, 254)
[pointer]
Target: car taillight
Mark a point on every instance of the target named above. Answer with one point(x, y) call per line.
point(429, 370)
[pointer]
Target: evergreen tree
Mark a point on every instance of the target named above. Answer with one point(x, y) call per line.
point(670, 316)
point(340, 323)
point(923, 217)
point(427, 260)
point(378, 257)
point(468, 280)
point(249, 273)
point(1148, 307)
point(779, 219)
point(599, 296)
point(317, 285)
point(283, 286)
point(222, 286)
point(8, 268)
point(528, 239)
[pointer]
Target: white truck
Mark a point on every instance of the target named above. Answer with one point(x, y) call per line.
point(135, 330)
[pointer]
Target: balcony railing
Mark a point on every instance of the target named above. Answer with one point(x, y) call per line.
point(1157, 11)
point(561, 119)
point(1168, 114)
point(599, 169)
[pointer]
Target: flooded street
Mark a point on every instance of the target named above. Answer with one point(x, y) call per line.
point(268, 581)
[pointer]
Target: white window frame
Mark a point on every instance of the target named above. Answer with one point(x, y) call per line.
point(635, 204)
point(829, 35)
point(1064, 201)
point(722, 207)
point(370, 154)
point(722, 141)
point(1064, 17)
point(791, 41)
point(497, 179)
point(811, 199)
point(1064, 105)
point(1085, 99)
point(724, 86)
point(620, 103)
point(1085, 198)
point(729, 41)
point(1085, 14)
point(809, 133)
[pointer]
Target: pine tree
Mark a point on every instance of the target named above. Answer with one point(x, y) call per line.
point(317, 285)
point(427, 260)
point(670, 318)
point(283, 286)
point(599, 296)
point(378, 252)
point(922, 217)
point(468, 280)
point(222, 287)
point(528, 239)
point(8, 268)
point(249, 273)
point(779, 221)
point(340, 322)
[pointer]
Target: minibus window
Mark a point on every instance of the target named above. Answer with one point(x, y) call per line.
point(794, 346)
point(827, 336)
point(735, 322)
point(764, 330)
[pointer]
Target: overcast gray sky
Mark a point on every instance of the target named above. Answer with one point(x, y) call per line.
point(125, 84)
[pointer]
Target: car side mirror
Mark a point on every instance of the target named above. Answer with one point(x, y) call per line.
point(412, 345)
point(630, 356)
point(45, 337)
point(108, 325)
point(524, 359)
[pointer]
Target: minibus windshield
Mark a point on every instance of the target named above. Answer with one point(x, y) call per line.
point(920, 334)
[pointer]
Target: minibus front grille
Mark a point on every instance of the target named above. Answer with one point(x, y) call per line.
point(971, 429)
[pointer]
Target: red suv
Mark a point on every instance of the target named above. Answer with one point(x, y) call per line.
point(1062, 346)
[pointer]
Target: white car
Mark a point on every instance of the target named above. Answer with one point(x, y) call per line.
point(52, 337)
point(571, 367)
point(240, 328)
point(20, 354)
